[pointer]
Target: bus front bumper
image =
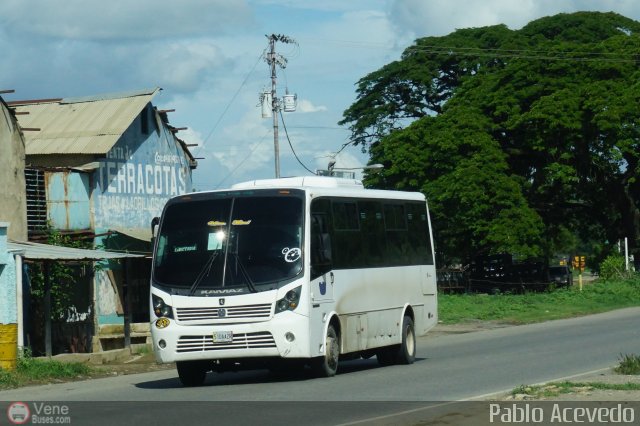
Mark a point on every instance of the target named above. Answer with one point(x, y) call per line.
point(285, 336)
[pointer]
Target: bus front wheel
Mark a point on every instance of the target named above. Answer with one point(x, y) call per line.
point(327, 365)
point(191, 373)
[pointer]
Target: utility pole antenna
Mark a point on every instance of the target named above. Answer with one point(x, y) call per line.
point(274, 59)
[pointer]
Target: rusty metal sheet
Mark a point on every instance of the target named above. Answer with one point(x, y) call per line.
point(88, 125)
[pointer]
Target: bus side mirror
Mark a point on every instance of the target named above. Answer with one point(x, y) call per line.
point(154, 226)
point(154, 230)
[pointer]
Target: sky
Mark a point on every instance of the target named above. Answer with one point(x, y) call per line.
point(208, 57)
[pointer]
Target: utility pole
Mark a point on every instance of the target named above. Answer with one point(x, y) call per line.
point(274, 59)
point(271, 60)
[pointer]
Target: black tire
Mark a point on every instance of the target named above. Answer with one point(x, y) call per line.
point(192, 373)
point(327, 365)
point(404, 353)
point(407, 351)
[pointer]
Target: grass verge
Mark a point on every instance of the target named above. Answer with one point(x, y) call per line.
point(30, 370)
point(600, 296)
point(552, 390)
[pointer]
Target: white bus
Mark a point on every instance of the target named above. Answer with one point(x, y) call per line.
point(291, 272)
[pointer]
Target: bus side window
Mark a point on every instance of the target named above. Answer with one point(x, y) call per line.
point(320, 246)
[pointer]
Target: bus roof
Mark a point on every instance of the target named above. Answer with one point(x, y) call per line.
point(325, 185)
point(303, 182)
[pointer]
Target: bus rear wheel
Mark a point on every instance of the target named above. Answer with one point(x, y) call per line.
point(192, 373)
point(327, 365)
point(405, 352)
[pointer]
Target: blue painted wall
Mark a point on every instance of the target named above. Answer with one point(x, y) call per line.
point(68, 200)
point(141, 172)
point(8, 294)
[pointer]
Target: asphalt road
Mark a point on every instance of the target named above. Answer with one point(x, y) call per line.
point(448, 368)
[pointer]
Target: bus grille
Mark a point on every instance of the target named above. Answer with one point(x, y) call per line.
point(240, 341)
point(234, 312)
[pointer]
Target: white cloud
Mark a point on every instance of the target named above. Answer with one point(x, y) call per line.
point(305, 106)
point(441, 17)
point(244, 144)
point(182, 65)
point(191, 137)
point(323, 6)
point(123, 19)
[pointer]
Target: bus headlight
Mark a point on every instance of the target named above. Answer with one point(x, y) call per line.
point(160, 308)
point(290, 300)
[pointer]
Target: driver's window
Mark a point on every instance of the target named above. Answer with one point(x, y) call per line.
point(320, 245)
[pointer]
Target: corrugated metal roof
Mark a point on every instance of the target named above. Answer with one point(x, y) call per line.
point(88, 125)
point(138, 234)
point(37, 251)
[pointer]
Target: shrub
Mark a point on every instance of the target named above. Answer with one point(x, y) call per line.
point(629, 364)
point(613, 268)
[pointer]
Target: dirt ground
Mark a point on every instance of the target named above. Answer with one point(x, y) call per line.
point(137, 363)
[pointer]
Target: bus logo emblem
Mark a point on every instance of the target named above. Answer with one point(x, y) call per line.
point(222, 312)
point(323, 287)
point(221, 302)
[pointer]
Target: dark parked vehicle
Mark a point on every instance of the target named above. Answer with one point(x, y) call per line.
point(500, 273)
point(561, 276)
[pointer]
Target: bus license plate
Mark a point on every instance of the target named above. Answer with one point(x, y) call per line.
point(222, 336)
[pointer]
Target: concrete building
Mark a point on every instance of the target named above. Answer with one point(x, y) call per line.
point(13, 205)
point(13, 224)
point(100, 168)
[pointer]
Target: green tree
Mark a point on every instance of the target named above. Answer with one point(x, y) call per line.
point(61, 276)
point(518, 138)
point(476, 206)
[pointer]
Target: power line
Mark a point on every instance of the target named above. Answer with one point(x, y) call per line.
point(496, 52)
point(233, 98)
point(284, 126)
point(321, 127)
point(526, 54)
point(355, 44)
point(243, 160)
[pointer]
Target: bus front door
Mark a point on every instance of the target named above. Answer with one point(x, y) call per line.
point(322, 288)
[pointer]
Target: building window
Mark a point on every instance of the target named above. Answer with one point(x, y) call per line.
point(36, 200)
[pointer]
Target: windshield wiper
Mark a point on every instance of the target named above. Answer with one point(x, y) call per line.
point(204, 271)
point(245, 274)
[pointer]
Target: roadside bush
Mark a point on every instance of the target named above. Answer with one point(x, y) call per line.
point(629, 364)
point(613, 268)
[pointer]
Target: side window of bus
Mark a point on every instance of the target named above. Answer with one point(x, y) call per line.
point(321, 253)
point(372, 234)
point(419, 233)
point(398, 246)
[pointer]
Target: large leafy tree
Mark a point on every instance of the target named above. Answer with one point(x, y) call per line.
point(519, 138)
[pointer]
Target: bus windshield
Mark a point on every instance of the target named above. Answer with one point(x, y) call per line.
point(254, 243)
